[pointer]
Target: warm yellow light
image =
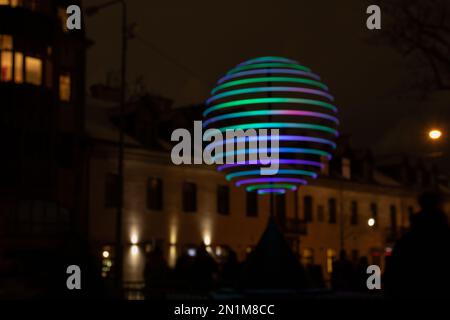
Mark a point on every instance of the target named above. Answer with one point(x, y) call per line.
point(435, 134)
point(207, 240)
point(173, 235)
point(172, 256)
point(371, 222)
point(134, 250)
point(105, 254)
point(134, 238)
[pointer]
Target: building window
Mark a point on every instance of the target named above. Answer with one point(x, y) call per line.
point(308, 257)
point(6, 58)
point(112, 190)
point(223, 200)
point(33, 5)
point(62, 16)
point(354, 213)
point(33, 70)
point(393, 218)
point(331, 256)
point(374, 212)
point(64, 87)
point(189, 197)
point(252, 204)
point(7, 62)
point(16, 3)
point(332, 210)
point(18, 67)
point(308, 208)
point(154, 194)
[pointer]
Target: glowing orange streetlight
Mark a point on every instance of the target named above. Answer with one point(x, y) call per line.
point(435, 134)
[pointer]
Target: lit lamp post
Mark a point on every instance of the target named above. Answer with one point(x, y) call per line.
point(120, 167)
point(435, 134)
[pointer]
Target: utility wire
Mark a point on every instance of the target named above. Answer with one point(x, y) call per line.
point(169, 58)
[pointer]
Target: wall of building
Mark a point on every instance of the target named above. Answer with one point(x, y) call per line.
point(176, 230)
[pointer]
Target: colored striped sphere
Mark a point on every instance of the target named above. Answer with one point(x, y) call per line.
point(275, 93)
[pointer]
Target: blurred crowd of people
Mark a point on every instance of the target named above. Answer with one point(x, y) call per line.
point(417, 266)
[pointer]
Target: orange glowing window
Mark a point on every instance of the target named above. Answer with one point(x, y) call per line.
point(64, 87)
point(6, 66)
point(18, 67)
point(33, 70)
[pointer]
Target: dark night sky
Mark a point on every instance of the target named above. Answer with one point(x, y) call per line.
point(330, 37)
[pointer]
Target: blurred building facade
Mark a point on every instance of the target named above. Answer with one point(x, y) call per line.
point(353, 206)
point(42, 123)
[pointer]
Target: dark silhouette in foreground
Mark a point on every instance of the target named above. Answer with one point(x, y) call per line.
point(360, 275)
point(155, 274)
point(272, 264)
point(342, 275)
point(419, 264)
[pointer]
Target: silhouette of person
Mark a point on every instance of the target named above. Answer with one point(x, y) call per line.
point(419, 263)
point(204, 269)
point(183, 267)
point(230, 271)
point(155, 273)
point(360, 276)
point(342, 273)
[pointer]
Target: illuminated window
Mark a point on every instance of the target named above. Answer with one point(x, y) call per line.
point(33, 70)
point(6, 65)
point(12, 3)
point(6, 42)
point(64, 87)
point(308, 257)
point(6, 58)
point(62, 15)
point(18, 67)
point(331, 256)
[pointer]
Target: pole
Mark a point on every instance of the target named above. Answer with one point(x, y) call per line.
point(120, 162)
point(341, 216)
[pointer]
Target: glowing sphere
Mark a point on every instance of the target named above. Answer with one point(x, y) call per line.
point(275, 93)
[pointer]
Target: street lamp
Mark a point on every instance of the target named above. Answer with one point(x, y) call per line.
point(435, 134)
point(371, 222)
point(120, 167)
